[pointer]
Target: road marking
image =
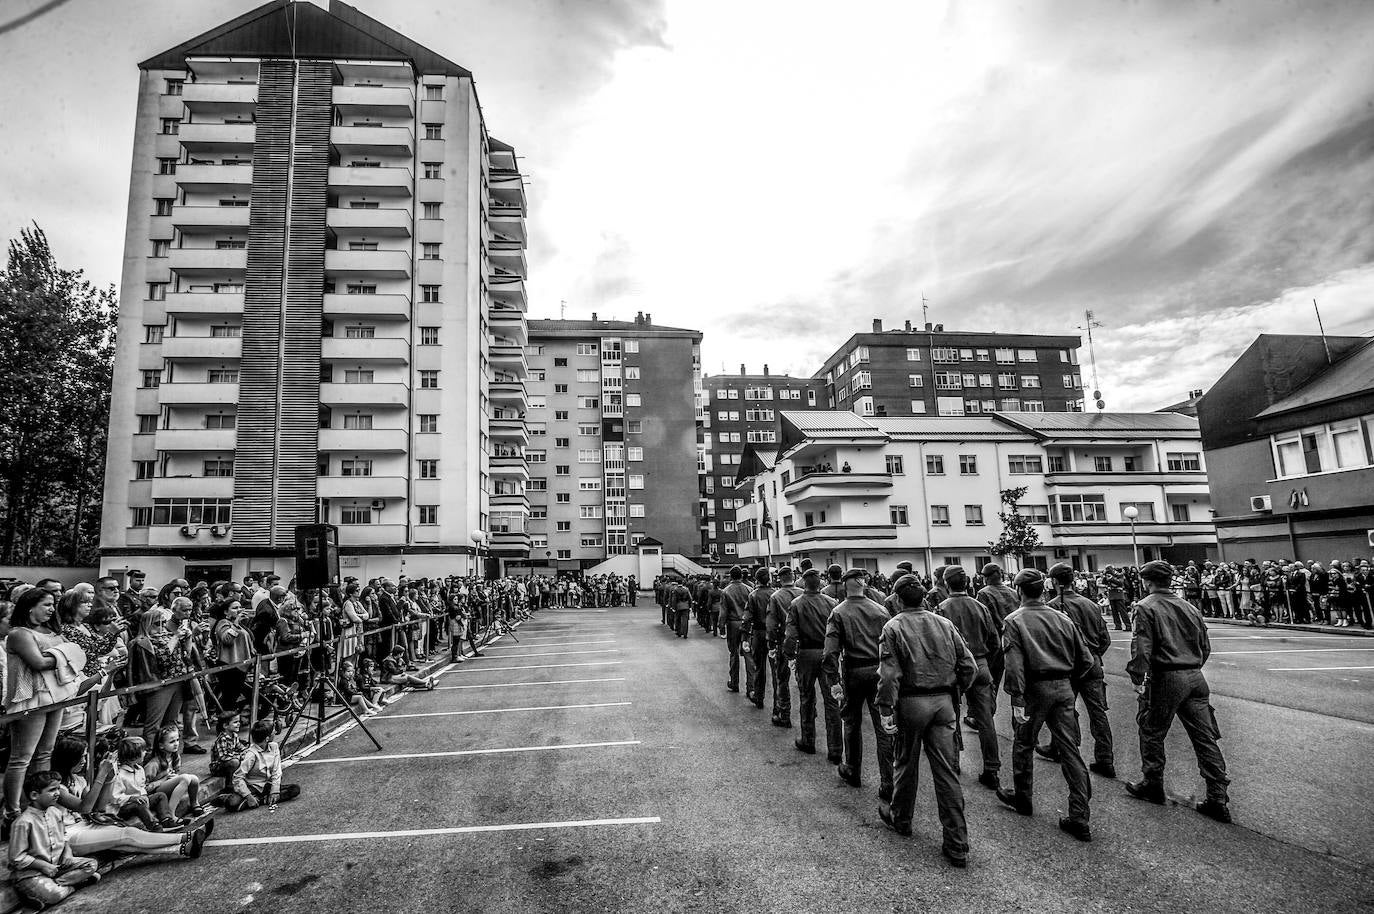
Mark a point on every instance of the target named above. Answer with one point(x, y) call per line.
point(457, 752)
point(429, 832)
point(1309, 669)
point(556, 643)
point(502, 685)
point(1305, 650)
point(540, 666)
point(603, 704)
point(550, 654)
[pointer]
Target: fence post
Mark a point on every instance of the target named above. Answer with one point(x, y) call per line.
point(253, 707)
point(92, 724)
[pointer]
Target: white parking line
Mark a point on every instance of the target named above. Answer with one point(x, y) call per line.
point(457, 752)
point(603, 704)
point(1310, 669)
point(429, 832)
point(535, 666)
point(1305, 650)
point(548, 654)
point(504, 685)
point(553, 644)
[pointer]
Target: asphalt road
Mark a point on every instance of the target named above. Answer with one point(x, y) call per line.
point(600, 765)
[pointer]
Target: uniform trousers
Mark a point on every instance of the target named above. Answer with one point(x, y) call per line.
point(860, 689)
point(1051, 704)
point(782, 686)
point(979, 698)
point(1094, 695)
point(1183, 694)
point(811, 676)
point(756, 667)
point(929, 721)
point(733, 639)
point(1121, 616)
point(682, 620)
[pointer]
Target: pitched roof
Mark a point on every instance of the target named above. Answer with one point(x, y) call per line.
point(1351, 376)
point(537, 326)
point(1100, 426)
point(281, 28)
point(947, 428)
point(830, 424)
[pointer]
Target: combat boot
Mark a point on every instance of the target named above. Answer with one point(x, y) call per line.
point(1215, 809)
point(1147, 790)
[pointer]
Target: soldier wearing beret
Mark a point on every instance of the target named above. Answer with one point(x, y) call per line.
point(852, 634)
point(755, 635)
point(1001, 600)
point(1169, 646)
point(923, 664)
point(893, 603)
point(775, 625)
point(734, 606)
point(1093, 690)
point(975, 625)
point(1046, 658)
point(803, 645)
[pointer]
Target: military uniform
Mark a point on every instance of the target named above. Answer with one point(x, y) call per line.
point(1000, 601)
point(852, 634)
point(1168, 649)
point(734, 606)
point(923, 660)
point(975, 625)
point(1046, 657)
point(775, 625)
point(755, 634)
point(804, 642)
point(1093, 690)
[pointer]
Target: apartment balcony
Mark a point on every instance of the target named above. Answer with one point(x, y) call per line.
point(507, 392)
point(1152, 534)
point(508, 220)
point(393, 307)
point(367, 264)
point(377, 349)
point(838, 485)
point(372, 534)
point(208, 220)
point(188, 262)
point(509, 430)
point(372, 141)
point(363, 488)
point(197, 394)
point(363, 440)
point(510, 500)
point(212, 303)
point(508, 323)
point(383, 394)
point(508, 291)
point(208, 136)
point(1180, 483)
point(197, 536)
point(509, 255)
point(194, 487)
point(839, 536)
point(392, 222)
point(375, 101)
point(507, 189)
point(219, 440)
point(377, 182)
point(215, 179)
point(509, 466)
point(510, 543)
point(214, 348)
point(219, 99)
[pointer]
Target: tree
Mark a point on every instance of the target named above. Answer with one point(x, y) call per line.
point(1018, 537)
point(57, 333)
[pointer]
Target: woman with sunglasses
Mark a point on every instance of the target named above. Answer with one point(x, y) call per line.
point(155, 656)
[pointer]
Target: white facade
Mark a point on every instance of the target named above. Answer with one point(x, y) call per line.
point(929, 490)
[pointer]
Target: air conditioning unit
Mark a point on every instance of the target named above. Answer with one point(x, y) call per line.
point(378, 504)
point(1261, 503)
point(220, 530)
point(188, 531)
point(1369, 534)
point(1061, 553)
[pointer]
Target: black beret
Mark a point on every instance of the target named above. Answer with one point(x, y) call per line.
point(904, 566)
point(1157, 571)
point(834, 571)
point(854, 573)
point(736, 573)
point(761, 576)
point(1061, 571)
point(1028, 576)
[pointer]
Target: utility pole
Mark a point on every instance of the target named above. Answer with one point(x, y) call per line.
point(1091, 322)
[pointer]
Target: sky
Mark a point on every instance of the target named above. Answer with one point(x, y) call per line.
point(778, 173)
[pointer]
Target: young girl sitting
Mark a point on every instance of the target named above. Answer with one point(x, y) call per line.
point(368, 683)
point(165, 776)
point(394, 671)
point(352, 691)
point(129, 797)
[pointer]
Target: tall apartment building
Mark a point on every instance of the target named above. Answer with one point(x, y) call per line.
point(612, 439)
point(739, 410)
point(321, 310)
point(932, 371)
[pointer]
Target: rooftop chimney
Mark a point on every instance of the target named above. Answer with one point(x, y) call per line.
point(648, 318)
point(593, 315)
point(765, 369)
point(939, 328)
point(929, 326)
point(877, 325)
point(908, 326)
point(639, 317)
point(741, 368)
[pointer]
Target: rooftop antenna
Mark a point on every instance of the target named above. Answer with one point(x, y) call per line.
point(1322, 331)
point(925, 311)
point(562, 309)
point(1092, 357)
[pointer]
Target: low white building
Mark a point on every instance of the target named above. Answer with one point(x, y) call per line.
point(870, 492)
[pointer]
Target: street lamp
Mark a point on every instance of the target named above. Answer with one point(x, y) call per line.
point(1131, 512)
point(477, 538)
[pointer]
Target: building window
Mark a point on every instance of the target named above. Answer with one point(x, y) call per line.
point(565, 553)
point(429, 379)
point(935, 465)
point(560, 415)
point(1006, 381)
point(944, 354)
point(913, 355)
point(561, 442)
point(167, 166)
point(633, 400)
point(972, 407)
point(563, 498)
point(538, 484)
point(896, 514)
point(560, 388)
point(562, 469)
point(162, 206)
point(151, 377)
point(1082, 509)
point(429, 250)
point(160, 248)
point(355, 514)
point(176, 512)
point(968, 464)
point(970, 379)
point(939, 515)
point(1057, 464)
point(1024, 464)
point(222, 376)
point(1006, 356)
point(429, 469)
point(429, 336)
point(636, 481)
point(915, 380)
point(430, 211)
point(429, 423)
point(170, 125)
point(359, 375)
point(152, 333)
point(1025, 355)
point(145, 469)
point(218, 467)
point(142, 517)
point(973, 515)
point(918, 407)
point(895, 464)
point(589, 455)
point(589, 485)
point(429, 514)
point(1180, 513)
point(1033, 406)
point(1186, 462)
point(434, 131)
point(949, 380)
point(1102, 464)
point(220, 420)
point(1146, 511)
point(360, 333)
point(173, 86)
point(428, 293)
point(433, 170)
point(1030, 380)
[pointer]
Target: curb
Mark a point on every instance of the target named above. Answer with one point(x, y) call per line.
point(1289, 626)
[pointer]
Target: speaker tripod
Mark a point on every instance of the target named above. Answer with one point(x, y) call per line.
point(322, 715)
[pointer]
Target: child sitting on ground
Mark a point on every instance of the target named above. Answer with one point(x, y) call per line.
point(351, 690)
point(394, 671)
point(368, 683)
point(258, 777)
point(227, 750)
point(165, 776)
point(44, 867)
point(129, 798)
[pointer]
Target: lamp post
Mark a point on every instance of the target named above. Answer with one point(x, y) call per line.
point(478, 537)
point(1131, 512)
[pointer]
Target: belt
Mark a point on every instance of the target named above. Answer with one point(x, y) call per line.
point(1046, 677)
point(916, 692)
point(859, 664)
point(1174, 667)
point(807, 644)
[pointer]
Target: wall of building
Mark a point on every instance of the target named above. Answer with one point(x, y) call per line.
point(669, 467)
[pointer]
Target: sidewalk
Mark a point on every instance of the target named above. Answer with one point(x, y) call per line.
point(1354, 630)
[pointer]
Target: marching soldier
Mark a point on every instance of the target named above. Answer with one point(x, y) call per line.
point(803, 645)
point(852, 634)
point(775, 623)
point(1168, 649)
point(755, 638)
point(1093, 690)
point(1046, 658)
point(893, 603)
point(734, 606)
point(923, 664)
point(975, 625)
point(834, 588)
point(938, 594)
